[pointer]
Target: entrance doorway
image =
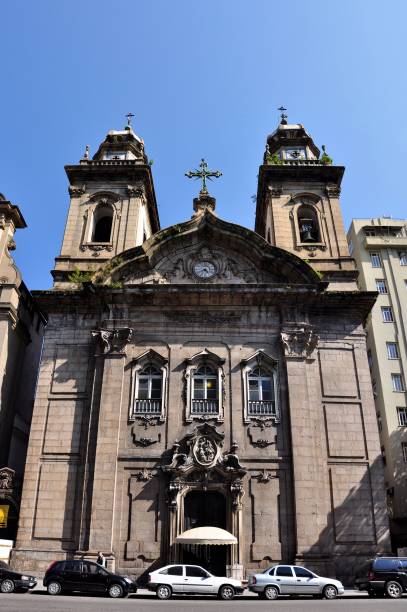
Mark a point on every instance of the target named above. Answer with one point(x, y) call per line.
point(205, 509)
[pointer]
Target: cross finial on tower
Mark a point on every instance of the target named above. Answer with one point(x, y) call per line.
point(283, 115)
point(129, 118)
point(203, 174)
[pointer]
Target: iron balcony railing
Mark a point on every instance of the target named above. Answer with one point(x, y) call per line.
point(146, 406)
point(262, 408)
point(203, 406)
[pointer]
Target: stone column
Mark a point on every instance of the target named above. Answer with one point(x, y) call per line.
point(105, 470)
point(311, 486)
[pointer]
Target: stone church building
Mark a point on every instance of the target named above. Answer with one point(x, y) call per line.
point(204, 375)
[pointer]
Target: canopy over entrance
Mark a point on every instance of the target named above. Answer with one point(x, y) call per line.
point(206, 535)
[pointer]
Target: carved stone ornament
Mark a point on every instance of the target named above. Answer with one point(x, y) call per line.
point(75, 191)
point(264, 476)
point(135, 191)
point(144, 475)
point(11, 245)
point(144, 441)
point(113, 340)
point(202, 450)
point(6, 479)
point(237, 492)
point(333, 191)
point(276, 192)
point(96, 248)
point(299, 341)
point(260, 439)
point(204, 317)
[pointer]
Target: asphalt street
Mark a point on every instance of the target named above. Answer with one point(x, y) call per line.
point(39, 601)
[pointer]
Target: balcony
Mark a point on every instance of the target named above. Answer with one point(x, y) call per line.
point(385, 242)
point(262, 408)
point(146, 406)
point(202, 406)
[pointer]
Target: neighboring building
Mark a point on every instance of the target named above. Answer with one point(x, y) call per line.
point(379, 247)
point(21, 332)
point(204, 375)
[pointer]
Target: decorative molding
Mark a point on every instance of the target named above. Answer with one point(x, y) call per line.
point(299, 340)
point(113, 340)
point(203, 318)
point(262, 425)
point(136, 191)
point(96, 248)
point(264, 476)
point(6, 479)
point(144, 475)
point(276, 192)
point(76, 191)
point(333, 191)
point(259, 359)
point(144, 441)
point(161, 363)
point(204, 357)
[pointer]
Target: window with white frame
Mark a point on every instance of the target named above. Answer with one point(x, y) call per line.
point(205, 391)
point(392, 350)
point(387, 314)
point(204, 387)
point(403, 258)
point(381, 285)
point(375, 260)
point(402, 417)
point(260, 388)
point(149, 377)
point(398, 383)
point(404, 451)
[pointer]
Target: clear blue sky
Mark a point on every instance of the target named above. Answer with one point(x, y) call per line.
point(203, 79)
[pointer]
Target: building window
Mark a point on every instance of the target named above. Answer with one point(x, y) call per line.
point(308, 225)
point(261, 399)
point(404, 451)
point(402, 417)
point(375, 260)
point(351, 247)
point(398, 383)
point(403, 258)
point(392, 350)
point(387, 314)
point(379, 424)
point(102, 223)
point(205, 391)
point(370, 359)
point(370, 232)
point(381, 285)
point(204, 386)
point(260, 388)
point(149, 386)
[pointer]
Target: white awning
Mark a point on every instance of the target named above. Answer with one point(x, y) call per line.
point(206, 535)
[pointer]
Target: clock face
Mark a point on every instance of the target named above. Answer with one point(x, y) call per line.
point(204, 269)
point(295, 153)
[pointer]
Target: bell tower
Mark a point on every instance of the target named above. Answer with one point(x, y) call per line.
point(298, 206)
point(113, 206)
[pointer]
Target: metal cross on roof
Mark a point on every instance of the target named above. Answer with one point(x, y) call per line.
point(203, 174)
point(129, 118)
point(283, 116)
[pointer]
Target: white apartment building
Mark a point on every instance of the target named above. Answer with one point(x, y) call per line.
point(379, 247)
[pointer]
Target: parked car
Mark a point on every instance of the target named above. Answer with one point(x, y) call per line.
point(293, 580)
point(384, 576)
point(191, 579)
point(11, 581)
point(87, 577)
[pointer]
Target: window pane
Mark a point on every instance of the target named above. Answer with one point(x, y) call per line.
point(392, 350)
point(284, 570)
point(403, 258)
point(375, 259)
point(175, 570)
point(267, 389)
point(142, 388)
point(381, 285)
point(387, 314)
point(211, 389)
point(404, 451)
point(156, 388)
point(402, 417)
point(301, 572)
point(197, 572)
point(254, 394)
point(397, 382)
point(198, 383)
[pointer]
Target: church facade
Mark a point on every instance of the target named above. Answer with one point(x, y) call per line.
point(204, 375)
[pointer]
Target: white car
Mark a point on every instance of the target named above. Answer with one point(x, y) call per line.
point(191, 579)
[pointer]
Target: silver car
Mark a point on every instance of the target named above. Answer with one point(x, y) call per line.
point(293, 580)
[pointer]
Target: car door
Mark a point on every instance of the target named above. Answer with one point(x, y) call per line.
point(71, 576)
point(285, 579)
point(174, 576)
point(198, 580)
point(305, 581)
point(93, 578)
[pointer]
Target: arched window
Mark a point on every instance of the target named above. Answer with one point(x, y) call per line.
point(204, 391)
point(261, 395)
point(308, 225)
point(102, 224)
point(148, 396)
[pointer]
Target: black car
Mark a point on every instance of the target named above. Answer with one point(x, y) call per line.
point(87, 577)
point(14, 581)
point(385, 576)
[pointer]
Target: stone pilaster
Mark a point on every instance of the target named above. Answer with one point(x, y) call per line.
point(104, 485)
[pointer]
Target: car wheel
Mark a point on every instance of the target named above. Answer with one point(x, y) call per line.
point(330, 591)
point(394, 589)
point(7, 586)
point(115, 591)
point(226, 592)
point(54, 588)
point(163, 591)
point(270, 592)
